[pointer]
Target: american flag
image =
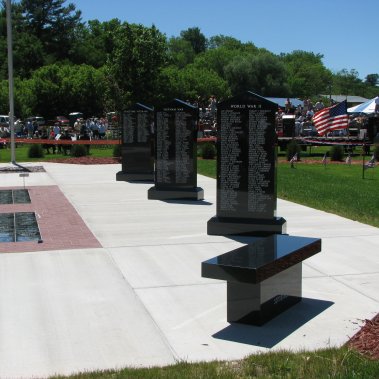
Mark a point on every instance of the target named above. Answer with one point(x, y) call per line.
point(325, 159)
point(331, 118)
point(294, 158)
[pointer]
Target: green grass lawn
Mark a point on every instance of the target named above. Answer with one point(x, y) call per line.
point(21, 153)
point(336, 188)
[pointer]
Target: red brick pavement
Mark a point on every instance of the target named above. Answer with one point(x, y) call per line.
point(60, 225)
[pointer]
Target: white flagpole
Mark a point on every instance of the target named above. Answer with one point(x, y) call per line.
point(10, 80)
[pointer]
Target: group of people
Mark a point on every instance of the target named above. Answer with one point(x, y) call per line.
point(303, 114)
point(92, 128)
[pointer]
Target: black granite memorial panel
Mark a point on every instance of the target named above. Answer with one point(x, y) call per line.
point(137, 144)
point(175, 152)
point(246, 167)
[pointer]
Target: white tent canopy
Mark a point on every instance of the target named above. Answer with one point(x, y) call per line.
point(367, 107)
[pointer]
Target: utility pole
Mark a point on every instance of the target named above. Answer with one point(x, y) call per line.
point(10, 79)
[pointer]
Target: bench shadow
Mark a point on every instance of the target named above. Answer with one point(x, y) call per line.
point(139, 181)
point(274, 331)
point(188, 202)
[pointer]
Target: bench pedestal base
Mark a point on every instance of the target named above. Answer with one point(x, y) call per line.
point(255, 304)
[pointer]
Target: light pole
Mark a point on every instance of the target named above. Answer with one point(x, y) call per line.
point(10, 79)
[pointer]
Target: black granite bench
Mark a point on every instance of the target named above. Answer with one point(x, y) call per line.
point(263, 278)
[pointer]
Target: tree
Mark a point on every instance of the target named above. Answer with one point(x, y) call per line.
point(27, 50)
point(53, 24)
point(372, 79)
point(347, 82)
point(195, 38)
point(180, 52)
point(60, 89)
point(306, 74)
point(95, 42)
point(133, 69)
point(192, 83)
point(262, 73)
point(220, 40)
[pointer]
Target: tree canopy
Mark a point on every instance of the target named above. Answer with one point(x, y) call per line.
point(62, 64)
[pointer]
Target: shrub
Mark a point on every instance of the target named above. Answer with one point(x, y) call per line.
point(336, 153)
point(117, 151)
point(78, 151)
point(208, 151)
point(35, 151)
point(293, 148)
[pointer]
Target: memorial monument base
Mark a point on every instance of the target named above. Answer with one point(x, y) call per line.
point(175, 194)
point(250, 227)
point(134, 177)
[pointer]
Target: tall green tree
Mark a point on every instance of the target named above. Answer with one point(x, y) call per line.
point(372, 79)
point(306, 74)
point(180, 52)
point(347, 82)
point(262, 73)
point(133, 71)
point(28, 52)
point(224, 41)
point(53, 24)
point(192, 83)
point(95, 42)
point(196, 38)
point(60, 89)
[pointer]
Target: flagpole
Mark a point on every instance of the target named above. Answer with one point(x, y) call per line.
point(10, 80)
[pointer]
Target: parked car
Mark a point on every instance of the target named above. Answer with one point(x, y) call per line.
point(62, 120)
point(38, 119)
point(4, 120)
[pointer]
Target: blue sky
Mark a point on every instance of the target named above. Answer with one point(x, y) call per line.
point(345, 32)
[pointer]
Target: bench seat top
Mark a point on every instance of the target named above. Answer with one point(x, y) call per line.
point(262, 259)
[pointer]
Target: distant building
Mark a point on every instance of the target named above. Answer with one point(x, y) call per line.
point(351, 100)
point(281, 101)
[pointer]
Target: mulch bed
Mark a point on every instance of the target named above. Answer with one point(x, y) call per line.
point(366, 341)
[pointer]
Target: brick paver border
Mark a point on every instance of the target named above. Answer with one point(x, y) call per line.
point(60, 225)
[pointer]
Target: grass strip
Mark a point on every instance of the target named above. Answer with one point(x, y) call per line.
point(325, 363)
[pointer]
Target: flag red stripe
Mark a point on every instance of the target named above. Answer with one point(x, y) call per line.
point(331, 118)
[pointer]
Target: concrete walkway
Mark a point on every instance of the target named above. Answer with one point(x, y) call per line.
point(139, 299)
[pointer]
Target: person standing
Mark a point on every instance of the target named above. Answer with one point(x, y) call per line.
point(288, 106)
point(213, 107)
point(377, 104)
